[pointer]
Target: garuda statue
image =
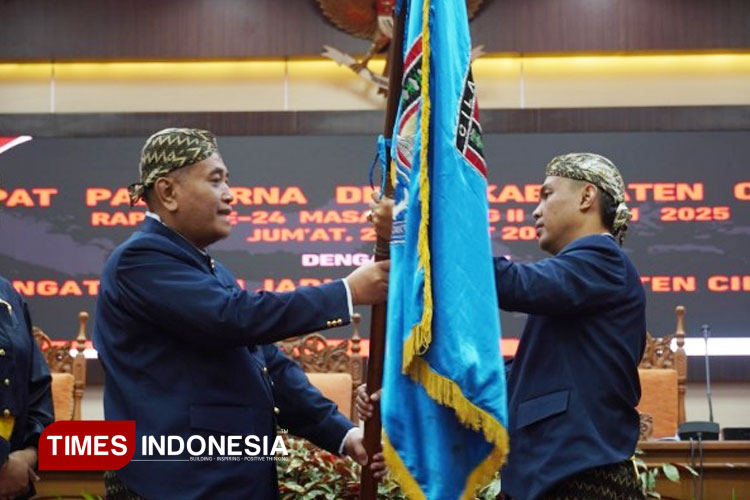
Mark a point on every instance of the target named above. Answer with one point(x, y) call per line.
point(371, 20)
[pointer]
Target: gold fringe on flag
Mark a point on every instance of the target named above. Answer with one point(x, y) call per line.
point(400, 473)
point(448, 393)
point(421, 335)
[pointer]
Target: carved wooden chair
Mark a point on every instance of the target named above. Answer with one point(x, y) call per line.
point(68, 371)
point(663, 374)
point(335, 369)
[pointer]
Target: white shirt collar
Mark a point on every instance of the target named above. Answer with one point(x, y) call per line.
point(156, 217)
point(153, 216)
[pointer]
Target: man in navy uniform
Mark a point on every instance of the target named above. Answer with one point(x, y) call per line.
point(26, 398)
point(188, 353)
point(573, 385)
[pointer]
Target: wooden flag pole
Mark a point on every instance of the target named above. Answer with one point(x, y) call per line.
point(369, 485)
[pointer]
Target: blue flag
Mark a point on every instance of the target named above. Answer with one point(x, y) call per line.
point(444, 401)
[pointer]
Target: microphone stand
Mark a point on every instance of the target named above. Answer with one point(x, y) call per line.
point(701, 431)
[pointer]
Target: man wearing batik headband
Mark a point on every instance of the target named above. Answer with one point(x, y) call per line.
point(188, 353)
point(602, 173)
point(573, 385)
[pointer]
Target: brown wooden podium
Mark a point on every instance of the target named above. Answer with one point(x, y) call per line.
point(726, 467)
point(69, 484)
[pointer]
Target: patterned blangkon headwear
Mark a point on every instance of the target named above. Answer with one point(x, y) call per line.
point(602, 173)
point(168, 150)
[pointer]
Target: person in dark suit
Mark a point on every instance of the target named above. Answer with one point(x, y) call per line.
point(25, 399)
point(573, 385)
point(188, 353)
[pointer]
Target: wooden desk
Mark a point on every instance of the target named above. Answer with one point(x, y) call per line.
point(726, 467)
point(69, 484)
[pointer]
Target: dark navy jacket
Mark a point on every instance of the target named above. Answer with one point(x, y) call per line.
point(27, 395)
point(573, 385)
point(187, 352)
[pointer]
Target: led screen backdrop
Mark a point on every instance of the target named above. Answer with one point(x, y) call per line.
point(301, 215)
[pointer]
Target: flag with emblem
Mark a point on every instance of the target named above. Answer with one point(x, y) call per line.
point(444, 400)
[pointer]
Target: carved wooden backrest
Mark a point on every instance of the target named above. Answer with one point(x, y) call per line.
point(314, 353)
point(60, 359)
point(659, 354)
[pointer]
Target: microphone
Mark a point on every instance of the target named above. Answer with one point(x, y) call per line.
point(707, 333)
point(702, 431)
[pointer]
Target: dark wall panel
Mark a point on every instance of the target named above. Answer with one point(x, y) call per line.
point(698, 118)
point(164, 29)
point(197, 29)
point(613, 25)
